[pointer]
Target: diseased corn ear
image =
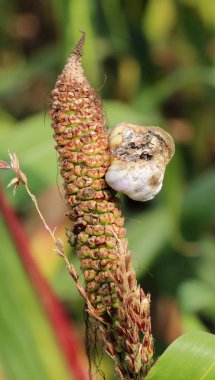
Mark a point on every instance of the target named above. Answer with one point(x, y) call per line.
point(119, 307)
point(139, 156)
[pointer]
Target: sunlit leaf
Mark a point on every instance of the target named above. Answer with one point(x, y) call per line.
point(191, 356)
point(79, 18)
point(157, 21)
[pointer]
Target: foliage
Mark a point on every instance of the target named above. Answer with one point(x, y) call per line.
point(189, 357)
point(159, 63)
point(26, 335)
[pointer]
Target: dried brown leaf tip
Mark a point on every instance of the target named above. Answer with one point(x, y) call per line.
point(14, 165)
point(114, 300)
point(4, 165)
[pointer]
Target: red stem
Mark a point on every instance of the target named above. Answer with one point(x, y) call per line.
point(66, 335)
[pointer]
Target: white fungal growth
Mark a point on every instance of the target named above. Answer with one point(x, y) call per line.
point(139, 156)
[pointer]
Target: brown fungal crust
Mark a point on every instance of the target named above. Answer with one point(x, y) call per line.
point(141, 143)
point(153, 180)
point(119, 306)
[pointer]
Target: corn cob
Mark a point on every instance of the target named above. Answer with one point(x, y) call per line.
point(119, 306)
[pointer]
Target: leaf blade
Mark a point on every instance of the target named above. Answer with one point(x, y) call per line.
point(192, 356)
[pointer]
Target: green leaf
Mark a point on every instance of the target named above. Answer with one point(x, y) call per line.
point(195, 295)
point(28, 347)
point(192, 356)
point(153, 96)
point(191, 322)
point(32, 141)
point(71, 17)
point(141, 236)
point(158, 22)
point(7, 120)
point(17, 75)
point(206, 263)
point(118, 26)
point(118, 112)
point(198, 211)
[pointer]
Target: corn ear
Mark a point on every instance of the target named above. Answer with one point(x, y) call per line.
point(118, 305)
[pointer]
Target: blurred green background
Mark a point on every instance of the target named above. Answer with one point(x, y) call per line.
point(153, 63)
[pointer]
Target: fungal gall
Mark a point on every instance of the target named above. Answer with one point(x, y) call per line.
point(139, 156)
